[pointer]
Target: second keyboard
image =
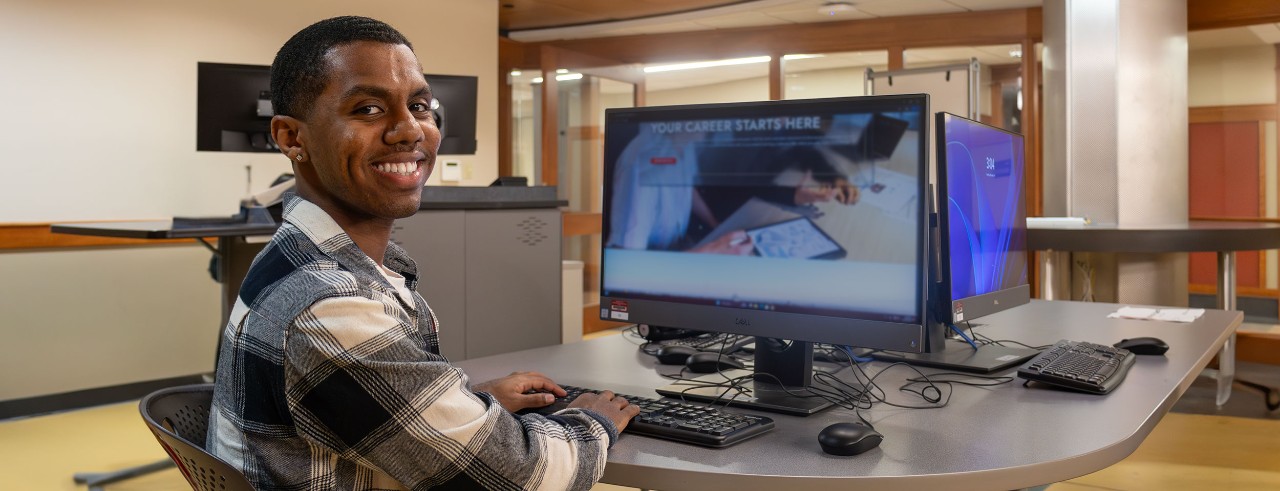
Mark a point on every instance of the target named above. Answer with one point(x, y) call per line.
point(1079, 365)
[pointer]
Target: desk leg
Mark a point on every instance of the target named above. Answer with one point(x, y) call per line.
point(1226, 301)
point(235, 255)
point(1048, 274)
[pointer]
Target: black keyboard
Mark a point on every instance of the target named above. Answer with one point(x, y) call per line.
point(730, 343)
point(1079, 365)
point(681, 422)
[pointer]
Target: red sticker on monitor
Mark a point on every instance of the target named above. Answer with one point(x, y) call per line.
point(662, 160)
point(618, 305)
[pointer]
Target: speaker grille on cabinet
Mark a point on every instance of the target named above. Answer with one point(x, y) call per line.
point(532, 231)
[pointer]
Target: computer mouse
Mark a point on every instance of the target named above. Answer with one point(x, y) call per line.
point(848, 439)
point(1144, 346)
point(674, 354)
point(704, 362)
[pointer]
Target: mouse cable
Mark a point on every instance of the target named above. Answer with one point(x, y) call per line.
point(990, 380)
point(732, 385)
point(813, 391)
point(937, 400)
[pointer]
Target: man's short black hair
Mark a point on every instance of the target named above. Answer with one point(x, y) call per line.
point(299, 72)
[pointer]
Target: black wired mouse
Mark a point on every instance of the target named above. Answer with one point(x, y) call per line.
point(848, 439)
point(1144, 346)
point(704, 362)
point(674, 354)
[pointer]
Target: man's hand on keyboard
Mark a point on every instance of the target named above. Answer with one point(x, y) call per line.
point(609, 405)
point(522, 390)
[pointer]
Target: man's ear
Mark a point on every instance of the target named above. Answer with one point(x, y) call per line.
point(286, 130)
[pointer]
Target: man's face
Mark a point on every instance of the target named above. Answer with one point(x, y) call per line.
point(369, 139)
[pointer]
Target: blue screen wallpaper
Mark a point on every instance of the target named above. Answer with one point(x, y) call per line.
point(986, 215)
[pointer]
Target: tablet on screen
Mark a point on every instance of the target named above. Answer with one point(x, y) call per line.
point(795, 238)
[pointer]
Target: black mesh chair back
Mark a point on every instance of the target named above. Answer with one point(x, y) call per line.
point(179, 418)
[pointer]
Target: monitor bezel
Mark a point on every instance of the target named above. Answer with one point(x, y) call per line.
point(983, 304)
point(851, 331)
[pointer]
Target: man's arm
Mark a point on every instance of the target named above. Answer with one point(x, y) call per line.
point(363, 385)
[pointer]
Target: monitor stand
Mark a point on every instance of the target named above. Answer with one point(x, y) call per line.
point(959, 356)
point(788, 362)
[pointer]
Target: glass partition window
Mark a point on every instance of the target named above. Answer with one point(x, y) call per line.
point(812, 76)
point(524, 124)
point(999, 89)
point(733, 80)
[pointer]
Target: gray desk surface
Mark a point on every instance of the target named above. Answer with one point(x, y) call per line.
point(160, 229)
point(1191, 237)
point(1004, 437)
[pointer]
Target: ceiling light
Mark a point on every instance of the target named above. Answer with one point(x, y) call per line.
point(836, 8)
point(562, 77)
point(562, 70)
point(706, 64)
point(800, 57)
point(1015, 53)
point(515, 73)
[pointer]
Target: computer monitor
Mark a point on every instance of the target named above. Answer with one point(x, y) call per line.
point(801, 220)
point(233, 108)
point(981, 170)
point(982, 240)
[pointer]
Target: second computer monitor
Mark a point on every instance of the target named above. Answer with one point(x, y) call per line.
point(982, 219)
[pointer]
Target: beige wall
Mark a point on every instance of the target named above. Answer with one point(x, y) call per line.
point(101, 125)
point(1231, 76)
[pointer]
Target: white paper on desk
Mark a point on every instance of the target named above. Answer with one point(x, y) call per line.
point(1132, 313)
point(1170, 315)
point(896, 194)
point(1178, 315)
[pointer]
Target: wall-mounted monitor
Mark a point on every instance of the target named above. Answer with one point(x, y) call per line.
point(233, 109)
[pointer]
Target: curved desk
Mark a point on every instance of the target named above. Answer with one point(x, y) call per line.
point(1224, 238)
point(1002, 437)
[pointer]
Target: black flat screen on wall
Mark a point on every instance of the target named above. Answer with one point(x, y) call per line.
point(233, 110)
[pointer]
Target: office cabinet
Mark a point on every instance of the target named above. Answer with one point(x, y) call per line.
point(489, 263)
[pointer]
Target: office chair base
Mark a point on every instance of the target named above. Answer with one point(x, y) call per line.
point(1270, 395)
point(95, 480)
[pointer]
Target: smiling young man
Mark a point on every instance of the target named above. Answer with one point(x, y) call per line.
point(330, 375)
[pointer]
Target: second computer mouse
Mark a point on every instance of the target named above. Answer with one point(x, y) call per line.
point(704, 362)
point(848, 439)
point(1144, 346)
point(674, 354)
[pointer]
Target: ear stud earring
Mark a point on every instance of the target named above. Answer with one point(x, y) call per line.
point(298, 158)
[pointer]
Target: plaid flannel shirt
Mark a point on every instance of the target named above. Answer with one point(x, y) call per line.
point(329, 379)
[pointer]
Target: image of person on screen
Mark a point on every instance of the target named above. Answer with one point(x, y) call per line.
point(655, 203)
point(792, 177)
point(329, 374)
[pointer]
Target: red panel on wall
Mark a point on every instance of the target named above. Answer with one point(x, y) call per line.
point(1224, 182)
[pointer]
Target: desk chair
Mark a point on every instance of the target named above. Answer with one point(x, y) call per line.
point(179, 418)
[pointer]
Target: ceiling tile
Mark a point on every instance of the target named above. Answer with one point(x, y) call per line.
point(996, 4)
point(746, 19)
point(887, 8)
